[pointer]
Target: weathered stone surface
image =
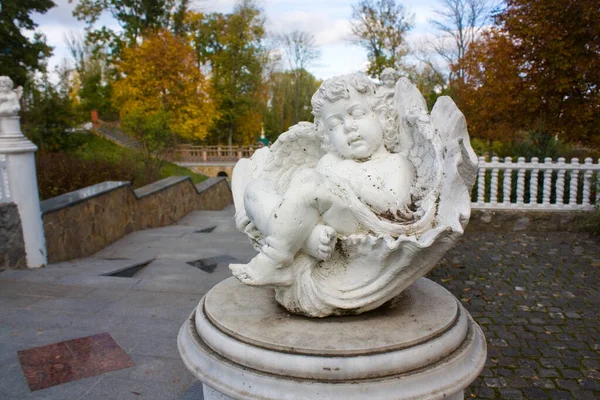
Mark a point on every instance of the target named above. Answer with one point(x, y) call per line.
point(12, 246)
point(82, 229)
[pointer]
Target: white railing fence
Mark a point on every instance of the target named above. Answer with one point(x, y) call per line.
point(548, 185)
point(4, 188)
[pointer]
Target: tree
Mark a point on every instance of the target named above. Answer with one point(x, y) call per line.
point(538, 72)
point(163, 95)
point(300, 50)
point(231, 46)
point(18, 53)
point(491, 93)
point(47, 115)
point(134, 16)
point(94, 78)
point(380, 26)
point(281, 111)
point(460, 23)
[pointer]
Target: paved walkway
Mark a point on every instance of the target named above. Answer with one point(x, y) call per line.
point(535, 295)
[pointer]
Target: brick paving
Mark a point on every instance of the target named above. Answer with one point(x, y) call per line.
point(537, 298)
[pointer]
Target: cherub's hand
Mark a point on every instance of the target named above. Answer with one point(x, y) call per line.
point(321, 242)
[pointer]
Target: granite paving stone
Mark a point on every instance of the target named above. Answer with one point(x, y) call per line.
point(529, 293)
point(535, 295)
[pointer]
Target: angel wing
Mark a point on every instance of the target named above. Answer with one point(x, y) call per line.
point(416, 139)
point(449, 123)
point(299, 147)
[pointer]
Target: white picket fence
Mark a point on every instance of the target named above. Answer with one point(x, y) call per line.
point(535, 185)
point(4, 188)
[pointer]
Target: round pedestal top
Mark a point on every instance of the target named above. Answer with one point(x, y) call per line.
point(251, 315)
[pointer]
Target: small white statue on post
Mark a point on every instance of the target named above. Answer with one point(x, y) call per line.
point(9, 98)
point(18, 154)
point(350, 210)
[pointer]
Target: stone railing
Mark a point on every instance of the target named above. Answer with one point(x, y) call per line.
point(4, 187)
point(80, 223)
point(188, 153)
point(533, 185)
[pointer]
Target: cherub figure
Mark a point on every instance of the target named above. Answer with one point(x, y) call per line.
point(9, 98)
point(388, 76)
point(349, 120)
point(325, 195)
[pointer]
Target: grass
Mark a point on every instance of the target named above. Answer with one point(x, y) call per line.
point(94, 148)
point(87, 160)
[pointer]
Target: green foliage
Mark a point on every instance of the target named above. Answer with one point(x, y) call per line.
point(232, 46)
point(63, 172)
point(97, 160)
point(18, 53)
point(281, 113)
point(134, 16)
point(380, 26)
point(93, 79)
point(48, 116)
point(152, 129)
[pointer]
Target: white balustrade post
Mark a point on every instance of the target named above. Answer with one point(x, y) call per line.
point(481, 182)
point(521, 181)
point(560, 183)
point(533, 182)
point(587, 182)
point(18, 155)
point(494, 182)
point(547, 189)
point(507, 181)
point(573, 186)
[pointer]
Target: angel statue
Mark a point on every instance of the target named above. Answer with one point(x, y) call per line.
point(348, 211)
point(9, 98)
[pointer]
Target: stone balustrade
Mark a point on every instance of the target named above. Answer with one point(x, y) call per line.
point(188, 153)
point(534, 185)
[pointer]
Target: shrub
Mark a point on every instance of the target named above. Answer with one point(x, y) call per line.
point(62, 172)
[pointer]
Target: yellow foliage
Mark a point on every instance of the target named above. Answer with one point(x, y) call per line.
point(161, 74)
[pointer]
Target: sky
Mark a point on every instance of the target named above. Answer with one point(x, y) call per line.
point(327, 20)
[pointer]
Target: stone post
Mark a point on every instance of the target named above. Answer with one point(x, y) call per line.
point(18, 152)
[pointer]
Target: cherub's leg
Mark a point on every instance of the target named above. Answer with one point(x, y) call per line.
point(260, 199)
point(290, 224)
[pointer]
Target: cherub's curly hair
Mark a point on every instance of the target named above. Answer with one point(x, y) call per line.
point(337, 88)
point(5, 81)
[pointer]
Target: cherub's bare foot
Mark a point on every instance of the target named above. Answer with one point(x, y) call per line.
point(321, 242)
point(244, 224)
point(241, 221)
point(262, 271)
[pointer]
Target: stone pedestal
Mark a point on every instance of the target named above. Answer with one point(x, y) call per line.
point(421, 345)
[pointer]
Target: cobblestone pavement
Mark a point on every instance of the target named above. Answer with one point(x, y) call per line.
point(537, 298)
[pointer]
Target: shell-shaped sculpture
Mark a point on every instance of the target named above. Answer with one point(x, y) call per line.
point(348, 212)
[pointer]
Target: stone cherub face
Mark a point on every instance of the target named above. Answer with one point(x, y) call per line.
point(6, 84)
point(348, 117)
point(352, 127)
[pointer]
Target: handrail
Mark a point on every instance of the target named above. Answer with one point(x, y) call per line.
point(546, 185)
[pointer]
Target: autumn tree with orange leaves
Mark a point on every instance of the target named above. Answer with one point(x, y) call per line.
point(163, 96)
point(538, 71)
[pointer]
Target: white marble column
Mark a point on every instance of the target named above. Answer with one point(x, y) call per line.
point(18, 153)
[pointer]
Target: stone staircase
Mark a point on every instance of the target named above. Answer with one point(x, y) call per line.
point(112, 132)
